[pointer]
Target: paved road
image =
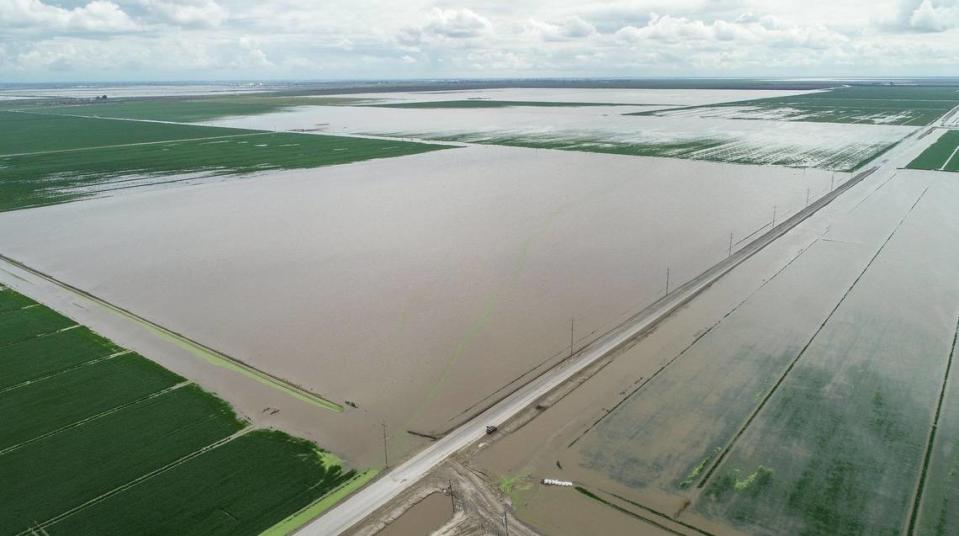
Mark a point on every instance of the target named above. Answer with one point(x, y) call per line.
point(356, 508)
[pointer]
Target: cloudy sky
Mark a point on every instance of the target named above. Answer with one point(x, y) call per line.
point(74, 40)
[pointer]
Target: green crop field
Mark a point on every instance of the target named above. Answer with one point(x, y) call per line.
point(32, 132)
point(942, 155)
point(45, 406)
point(483, 103)
point(29, 322)
point(99, 440)
point(11, 301)
point(914, 106)
point(154, 153)
point(42, 356)
point(194, 109)
point(54, 474)
point(233, 490)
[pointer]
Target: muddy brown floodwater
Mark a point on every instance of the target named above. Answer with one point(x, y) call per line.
point(423, 518)
point(419, 288)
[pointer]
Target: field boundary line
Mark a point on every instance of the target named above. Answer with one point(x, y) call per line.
point(203, 351)
point(722, 455)
point(930, 441)
point(71, 368)
point(123, 487)
point(96, 416)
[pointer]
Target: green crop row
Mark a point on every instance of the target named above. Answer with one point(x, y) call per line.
point(42, 356)
point(22, 324)
point(940, 155)
point(42, 407)
point(33, 132)
point(98, 441)
point(65, 470)
point(11, 301)
point(240, 488)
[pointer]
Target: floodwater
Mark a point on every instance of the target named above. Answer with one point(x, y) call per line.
point(423, 518)
point(657, 97)
point(415, 287)
point(826, 145)
point(547, 446)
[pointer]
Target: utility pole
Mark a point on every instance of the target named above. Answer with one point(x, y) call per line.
point(386, 452)
point(572, 330)
point(774, 215)
point(506, 522)
point(807, 197)
point(730, 245)
point(667, 279)
point(452, 499)
point(832, 181)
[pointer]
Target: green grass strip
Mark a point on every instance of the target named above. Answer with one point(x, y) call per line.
point(240, 488)
point(49, 354)
point(51, 404)
point(65, 470)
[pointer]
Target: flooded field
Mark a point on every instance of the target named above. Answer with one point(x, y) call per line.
point(602, 129)
point(814, 397)
point(420, 288)
point(423, 518)
point(648, 97)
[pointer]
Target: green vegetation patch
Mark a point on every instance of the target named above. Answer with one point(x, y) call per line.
point(104, 442)
point(32, 132)
point(195, 109)
point(941, 155)
point(42, 356)
point(34, 180)
point(483, 103)
point(241, 488)
point(48, 405)
point(22, 324)
point(888, 105)
point(11, 301)
point(65, 470)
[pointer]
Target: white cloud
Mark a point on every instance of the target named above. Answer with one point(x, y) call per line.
point(571, 28)
point(931, 16)
point(96, 16)
point(198, 13)
point(446, 24)
point(746, 29)
point(193, 39)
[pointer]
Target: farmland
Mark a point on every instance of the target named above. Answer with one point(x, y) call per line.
point(943, 155)
point(189, 110)
point(169, 457)
point(122, 154)
point(601, 129)
point(911, 106)
point(484, 103)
